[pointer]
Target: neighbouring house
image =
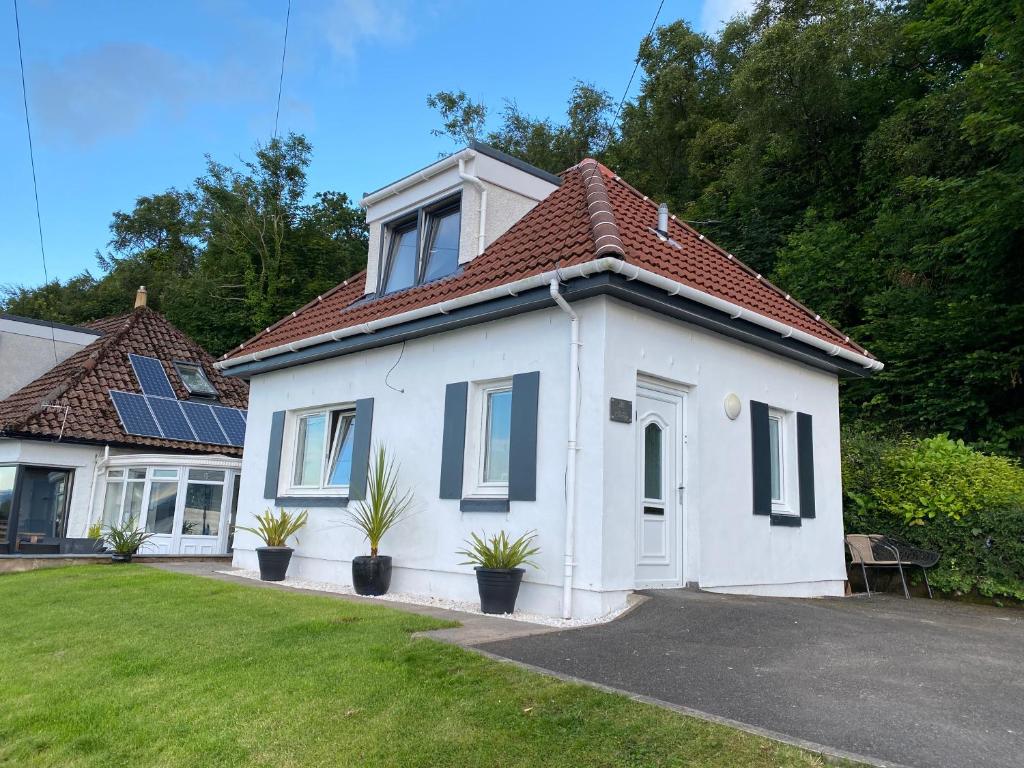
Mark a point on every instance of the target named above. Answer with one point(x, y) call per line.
point(122, 418)
point(558, 354)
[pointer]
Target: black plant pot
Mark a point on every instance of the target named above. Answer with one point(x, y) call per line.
point(499, 588)
point(119, 557)
point(273, 562)
point(371, 575)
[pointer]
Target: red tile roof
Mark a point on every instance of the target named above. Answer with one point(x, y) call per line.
point(592, 214)
point(83, 382)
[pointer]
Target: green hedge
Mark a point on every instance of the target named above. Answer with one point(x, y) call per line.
point(943, 495)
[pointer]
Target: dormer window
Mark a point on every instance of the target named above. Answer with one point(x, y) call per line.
point(414, 260)
point(195, 379)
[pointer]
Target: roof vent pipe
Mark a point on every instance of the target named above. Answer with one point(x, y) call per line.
point(663, 219)
point(140, 297)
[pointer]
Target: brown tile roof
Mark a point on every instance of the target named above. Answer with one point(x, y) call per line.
point(84, 380)
point(592, 214)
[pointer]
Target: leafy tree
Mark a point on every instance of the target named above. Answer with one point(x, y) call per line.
point(230, 255)
point(867, 156)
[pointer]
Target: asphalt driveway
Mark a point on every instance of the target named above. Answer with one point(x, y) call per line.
point(916, 682)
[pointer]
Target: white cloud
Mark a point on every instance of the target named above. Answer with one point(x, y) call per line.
point(351, 23)
point(715, 13)
point(110, 90)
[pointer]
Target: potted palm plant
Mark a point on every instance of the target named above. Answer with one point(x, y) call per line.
point(497, 562)
point(125, 540)
point(384, 506)
point(275, 530)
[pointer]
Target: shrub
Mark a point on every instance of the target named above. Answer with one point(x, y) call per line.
point(499, 552)
point(943, 495)
point(275, 530)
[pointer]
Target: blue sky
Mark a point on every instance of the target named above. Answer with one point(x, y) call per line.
point(126, 98)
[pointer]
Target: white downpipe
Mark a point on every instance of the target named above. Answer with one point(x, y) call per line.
point(586, 269)
point(482, 213)
point(571, 448)
point(95, 479)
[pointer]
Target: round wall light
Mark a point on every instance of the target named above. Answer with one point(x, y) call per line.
point(733, 406)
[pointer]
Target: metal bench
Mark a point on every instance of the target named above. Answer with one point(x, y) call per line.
point(873, 550)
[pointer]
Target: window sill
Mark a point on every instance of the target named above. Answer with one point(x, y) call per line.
point(483, 504)
point(311, 501)
point(786, 519)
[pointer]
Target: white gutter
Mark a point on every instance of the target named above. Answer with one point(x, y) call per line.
point(482, 188)
point(571, 448)
point(586, 269)
point(415, 178)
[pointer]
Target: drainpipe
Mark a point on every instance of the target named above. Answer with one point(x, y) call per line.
point(95, 478)
point(482, 214)
point(571, 448)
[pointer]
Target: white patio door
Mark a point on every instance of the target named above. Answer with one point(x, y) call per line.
point(660, 486)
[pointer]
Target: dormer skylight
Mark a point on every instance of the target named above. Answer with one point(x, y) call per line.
point(195, 379)
point(423, 246)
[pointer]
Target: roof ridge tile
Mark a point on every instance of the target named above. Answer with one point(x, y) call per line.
point(603, 228)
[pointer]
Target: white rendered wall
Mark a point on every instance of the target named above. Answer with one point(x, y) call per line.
point(27, 351)
point(410, 423)
point(728, 548)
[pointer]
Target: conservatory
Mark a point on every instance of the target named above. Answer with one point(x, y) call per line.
point(188, 503)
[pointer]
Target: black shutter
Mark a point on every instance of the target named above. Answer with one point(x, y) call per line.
point(453, 441)
point(805, 463)
point(761, 459)
point(362, 430)
point(522, 460)
point(274, 456)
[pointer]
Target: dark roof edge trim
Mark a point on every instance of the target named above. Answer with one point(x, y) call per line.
point(48, 324)
point(599, 284)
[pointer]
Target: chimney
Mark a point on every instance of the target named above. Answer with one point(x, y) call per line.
point(140, 297)
point(663, 219)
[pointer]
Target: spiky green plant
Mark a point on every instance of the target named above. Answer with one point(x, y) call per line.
point(384, 505)
point(275, 530)
point(499, 552)
point(126, 539)
point(95, 530)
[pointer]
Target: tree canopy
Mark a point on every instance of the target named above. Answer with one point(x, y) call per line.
point(868, 156)
point(233, 253)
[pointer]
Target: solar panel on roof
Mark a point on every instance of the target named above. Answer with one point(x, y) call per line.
point(203, 422)
point(170, 419)
point(232, 421)
point(151, 375)
point(136, 418)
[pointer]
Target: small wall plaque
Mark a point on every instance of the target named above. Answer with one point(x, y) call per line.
point(621, 410)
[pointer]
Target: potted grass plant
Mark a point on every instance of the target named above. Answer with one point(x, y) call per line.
point(125, 540)
point(384, 506)
point(275, 530)
point(497, 560)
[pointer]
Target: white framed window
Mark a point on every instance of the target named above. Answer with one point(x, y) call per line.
point(782, 456)
point(319, 451)
point(488, 439)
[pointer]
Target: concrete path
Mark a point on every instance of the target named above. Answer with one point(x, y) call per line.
point(474, 629)
point(918, 682)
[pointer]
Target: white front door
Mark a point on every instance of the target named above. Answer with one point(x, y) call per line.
point(660, 487)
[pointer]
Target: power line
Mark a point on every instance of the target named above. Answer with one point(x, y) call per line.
point(637, 65)
point(32, 162)
point(280, 80)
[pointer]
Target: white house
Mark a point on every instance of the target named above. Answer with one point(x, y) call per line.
point(554, 354)
point(123, 418)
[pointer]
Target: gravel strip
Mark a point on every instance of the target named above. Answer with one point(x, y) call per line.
point(436, 602)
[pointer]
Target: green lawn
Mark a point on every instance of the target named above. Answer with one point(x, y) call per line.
point(130, 666)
